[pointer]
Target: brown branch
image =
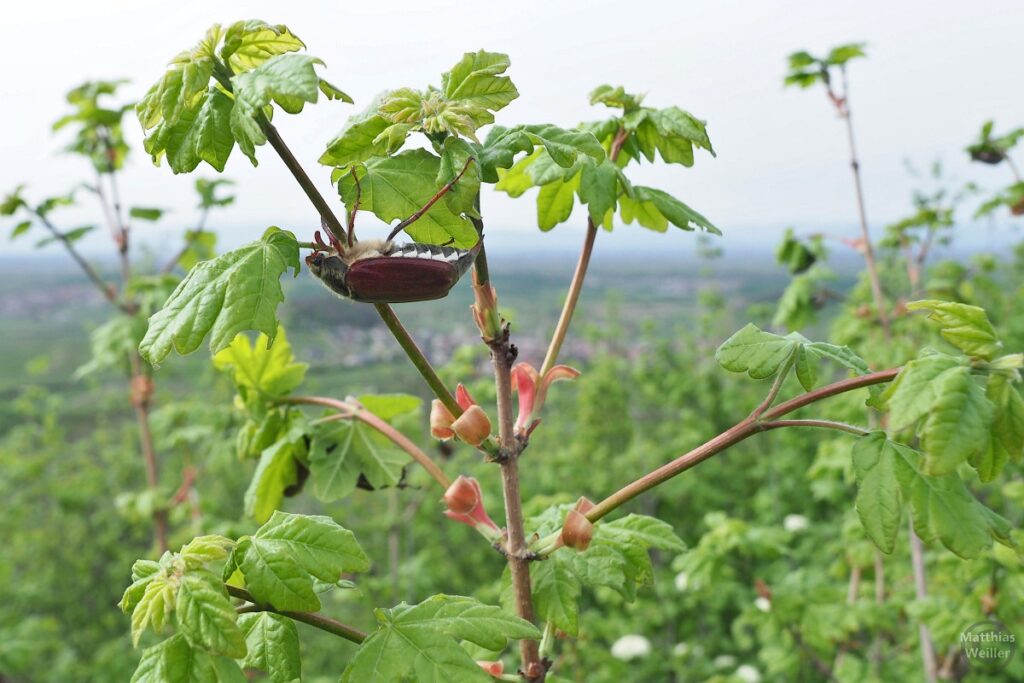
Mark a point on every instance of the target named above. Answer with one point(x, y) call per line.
point(928, 656)
point(829, 390)
point(869, 250)
point(192, 237)
point(738, 432)
point(108, 290)
point(142, 387)
point(503, 355)
point(348, 410)
point(141, 384)
point(572, 297)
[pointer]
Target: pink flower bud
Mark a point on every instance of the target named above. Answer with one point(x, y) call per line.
point(463, 496)
point(441, 420)
point(473, 426)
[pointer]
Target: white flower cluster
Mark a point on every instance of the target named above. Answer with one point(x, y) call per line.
point(794, 524)
point(723, 662)
point(630, 647)
point(748, 674)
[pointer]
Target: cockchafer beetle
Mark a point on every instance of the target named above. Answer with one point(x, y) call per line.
point(383, 272)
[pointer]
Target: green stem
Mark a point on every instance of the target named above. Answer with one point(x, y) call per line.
point(419, 361)
point(312, 618)
point(823, 424)
point(773, 393)
point(317, 199)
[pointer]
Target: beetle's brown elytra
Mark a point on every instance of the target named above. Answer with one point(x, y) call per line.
point(389, 273)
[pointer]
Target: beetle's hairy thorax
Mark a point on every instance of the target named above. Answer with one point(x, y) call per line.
point(364, 249)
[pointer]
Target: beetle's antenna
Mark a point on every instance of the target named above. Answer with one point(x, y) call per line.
point(433, 200)
point(318, 242)
point(355, 208)
point(331, 237)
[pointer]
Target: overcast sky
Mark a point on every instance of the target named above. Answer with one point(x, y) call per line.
point(936, 70)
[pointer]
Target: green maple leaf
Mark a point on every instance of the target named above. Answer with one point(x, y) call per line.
point(261, 370)
point(396, 187)
point(965, 327)
point(205, 615)
point(883, 473)
point(476, 81)
point(343, 450)
point(276, 471)
point(191, 118)
point(234, 292)
point(176, 661)
point(273, 646)
point(281, 559)
point(421, 642)
point(889, 473)
point(359, 140)
point(247, 44)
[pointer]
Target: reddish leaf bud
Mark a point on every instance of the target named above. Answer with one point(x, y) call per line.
point(473, 426)
point(463, 496)
point(141, 390)
point(493, 668)
point(441, 420)
point(465, 504)
point(463, 398)
point(583, 505)
point(577, 531)
point(485, 310)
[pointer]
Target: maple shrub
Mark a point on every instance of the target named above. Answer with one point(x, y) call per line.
point(221, 605)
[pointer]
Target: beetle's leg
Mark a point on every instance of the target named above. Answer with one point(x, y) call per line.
point(433, 200)
point(355, 208)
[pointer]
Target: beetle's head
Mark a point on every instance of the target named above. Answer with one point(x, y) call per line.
point(315, 262)
point(331, 270)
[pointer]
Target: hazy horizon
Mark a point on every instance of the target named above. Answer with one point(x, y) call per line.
point(935, 72)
